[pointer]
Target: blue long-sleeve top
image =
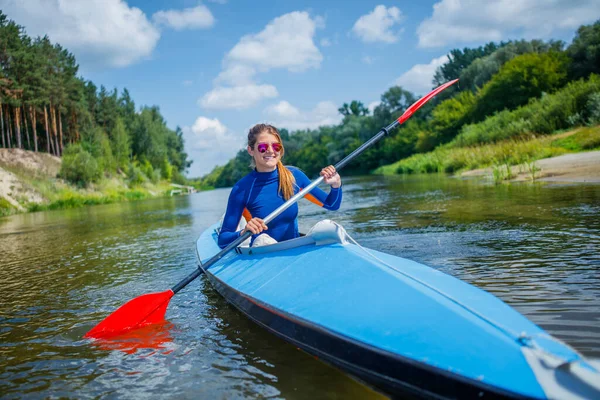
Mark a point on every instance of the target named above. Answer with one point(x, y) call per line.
point(257, 195)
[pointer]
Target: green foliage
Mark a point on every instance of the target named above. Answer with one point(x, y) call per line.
point(41, 79)
point(481, 70)
point(592, 109)
point(532, 168)
point(458, 60)
point(5, 207)
point(585, 51)
point(354, 108)
point(135, 174)
point(121, 146)
point(542, 116)
point(524, 77)
point(96, 142)
point(585, 139)
point(447, 119)
point(501, 172)
point(166, 169)
point(454, 159)
point(78, 166)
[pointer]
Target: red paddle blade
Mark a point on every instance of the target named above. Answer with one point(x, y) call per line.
point(150, 337)
point(417, 104)
point(136, 313)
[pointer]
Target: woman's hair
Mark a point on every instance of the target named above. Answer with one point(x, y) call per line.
point(286, 179)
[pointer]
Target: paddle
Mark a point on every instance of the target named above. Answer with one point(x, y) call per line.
point(151, 308)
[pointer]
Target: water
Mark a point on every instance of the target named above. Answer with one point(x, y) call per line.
point(535, 246)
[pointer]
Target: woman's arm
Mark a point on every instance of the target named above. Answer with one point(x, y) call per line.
point(231, 220)
point(329, 201)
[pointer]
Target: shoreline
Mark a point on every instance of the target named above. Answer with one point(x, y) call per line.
point(17, 194)
point(581, 167)
point(29, 182)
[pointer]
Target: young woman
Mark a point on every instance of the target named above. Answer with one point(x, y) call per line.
point(270, 185)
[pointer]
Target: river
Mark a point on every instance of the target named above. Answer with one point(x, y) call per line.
point(536, 246)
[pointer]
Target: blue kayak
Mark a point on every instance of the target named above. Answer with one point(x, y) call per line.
point(400, 326)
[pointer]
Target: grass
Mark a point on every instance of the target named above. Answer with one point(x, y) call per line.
point(509, 152)
point(65, 198)
point(5, 207)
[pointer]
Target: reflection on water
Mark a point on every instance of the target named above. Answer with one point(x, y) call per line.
point(534, 246)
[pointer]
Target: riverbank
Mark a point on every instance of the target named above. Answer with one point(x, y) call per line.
point(560, 156)
point(28, 182)
point(575, 167)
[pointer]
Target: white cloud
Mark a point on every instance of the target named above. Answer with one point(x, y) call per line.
point(325, 42)
point(418, 79)
point(237, 97)
point(210, 143)
point(283, 109)
point(367, 60)
point(455, 21)
point(198, 17)
point(237, 74)
point(285, 115)
point(98, 32)
point(207, 132)
point(286, 42)
point(376, 26)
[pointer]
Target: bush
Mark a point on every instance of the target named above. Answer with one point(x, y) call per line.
point(166, 169)
point(541, 116)
point(78, 166)
point(135, 174)
point(522, 78)
point(96, 142)
point(592, 109)
point(5, 207)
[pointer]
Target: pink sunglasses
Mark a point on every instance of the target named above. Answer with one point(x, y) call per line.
point(263, 147)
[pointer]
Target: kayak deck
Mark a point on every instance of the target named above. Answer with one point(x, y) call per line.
point(384, 318)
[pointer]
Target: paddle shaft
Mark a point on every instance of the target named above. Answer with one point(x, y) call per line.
point(283, 207)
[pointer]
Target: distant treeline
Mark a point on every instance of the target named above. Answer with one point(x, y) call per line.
point(45, 106)
point(505, 91)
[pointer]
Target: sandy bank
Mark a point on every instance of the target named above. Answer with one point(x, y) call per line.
point(577, 167)
point(15, 162)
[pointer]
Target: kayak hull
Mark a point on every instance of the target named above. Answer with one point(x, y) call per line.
point(401, 327)
point(370, 365)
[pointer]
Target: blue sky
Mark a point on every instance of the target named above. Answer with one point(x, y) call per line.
point(216, 68)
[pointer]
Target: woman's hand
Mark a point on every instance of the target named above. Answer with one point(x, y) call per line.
point(255, 225)
point(331, 177)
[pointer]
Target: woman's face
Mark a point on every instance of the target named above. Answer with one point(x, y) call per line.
point(266, 152)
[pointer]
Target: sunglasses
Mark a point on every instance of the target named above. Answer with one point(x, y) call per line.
point(263, 147)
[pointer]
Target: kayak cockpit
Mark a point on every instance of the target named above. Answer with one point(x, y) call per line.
point(323, 232)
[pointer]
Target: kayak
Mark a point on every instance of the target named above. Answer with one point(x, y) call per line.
point(401, 327)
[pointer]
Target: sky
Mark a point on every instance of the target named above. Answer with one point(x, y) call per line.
point(217, 67)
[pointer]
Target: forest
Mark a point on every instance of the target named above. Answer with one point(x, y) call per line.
point(46, 107)
point(507, 91)
point(510, 90)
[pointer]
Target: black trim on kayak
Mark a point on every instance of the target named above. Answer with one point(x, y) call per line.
point(390, 373)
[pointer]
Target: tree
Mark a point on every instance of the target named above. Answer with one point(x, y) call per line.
point(121, 146)
point(481, 70)
point(458, 60)
point(447, 119)
point(585, 51)
point(524, 77)
point(355, 108)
